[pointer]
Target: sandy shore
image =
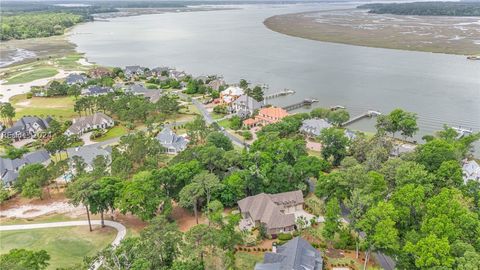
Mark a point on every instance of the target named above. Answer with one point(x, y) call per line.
point(451, 35)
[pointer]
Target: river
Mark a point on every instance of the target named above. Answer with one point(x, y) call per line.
point(440, 88)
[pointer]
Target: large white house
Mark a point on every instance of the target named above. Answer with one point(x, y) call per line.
point(87, 123)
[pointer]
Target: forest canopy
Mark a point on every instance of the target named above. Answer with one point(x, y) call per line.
point(32, 25)
point(426, 8)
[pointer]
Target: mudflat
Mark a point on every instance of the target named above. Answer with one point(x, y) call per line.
point(450, 35)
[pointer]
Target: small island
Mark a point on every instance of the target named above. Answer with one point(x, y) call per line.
point(371, 26)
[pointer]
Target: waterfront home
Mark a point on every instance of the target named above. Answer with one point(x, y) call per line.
point(351, 135)
point(87, 123)
point(276, 212)
point(177, 75)
point(296, 254)
point(471, 171)
point(132, 71)
point(244, 106)
point(173, 143)
point(76, 79)
point(216, 84)
point(88, 154)
point(266, 116)
point(230, 94)
point(95, 90)
point(313, 127)
point(26, 127)
point(9, 168)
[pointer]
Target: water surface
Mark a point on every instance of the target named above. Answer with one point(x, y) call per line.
point(440, 88)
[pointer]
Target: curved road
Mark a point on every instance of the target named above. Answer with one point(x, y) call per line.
point(121, 230)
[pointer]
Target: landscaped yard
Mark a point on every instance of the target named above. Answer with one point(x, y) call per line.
point(31, 75)
point(58, 107)
point(245, 260)
point(114, 132)
point(66, 246)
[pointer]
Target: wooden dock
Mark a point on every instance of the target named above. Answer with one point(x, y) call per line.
point(305, 102)
point(284, 92)
point(369, 113)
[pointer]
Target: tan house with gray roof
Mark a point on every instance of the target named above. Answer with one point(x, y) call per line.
point(274, 211)
point(87, 123)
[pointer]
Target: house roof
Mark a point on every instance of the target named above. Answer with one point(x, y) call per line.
point(296, 254)
point(87, 121)
point(89, 153)
point(9, 167)
point(471, 170)
point(75, 78)
point(274, 112)
point(314, 126)
point(169, 139)
point(26, 122)
point(95, 90)
point(135, 69)
point(232, 91)
point(267, 208)
point(248, 102)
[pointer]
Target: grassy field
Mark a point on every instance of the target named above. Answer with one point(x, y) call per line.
point(69, 62)
point(114, 132)
point(58, 107)
point(31, 75)
point(66, 246)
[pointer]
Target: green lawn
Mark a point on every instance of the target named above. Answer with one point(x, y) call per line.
point(69, 62)
point(58, 107)
point(216, 116)
point(244, 260)
point(32, 75)
point(224, 123)
point(66, 246)
point(114, 132)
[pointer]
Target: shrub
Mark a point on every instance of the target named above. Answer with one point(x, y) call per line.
point(29, 95)
point(315, 205)
point(247, 135)
point(285, 237)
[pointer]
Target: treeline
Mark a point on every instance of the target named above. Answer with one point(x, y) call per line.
point(426, 8)
point(34, 25)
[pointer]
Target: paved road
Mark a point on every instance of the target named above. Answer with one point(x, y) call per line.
point(121, 230)
point(209, 120)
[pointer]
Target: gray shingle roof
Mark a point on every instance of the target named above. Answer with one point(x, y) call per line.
point(296, 254)
point(314, 126)
point(27, 124)
point(9, 168)
point(75, 78)
point(89, 153)
point(88, 122)
point(170, 140)
point(96, 90)
point(267, 208)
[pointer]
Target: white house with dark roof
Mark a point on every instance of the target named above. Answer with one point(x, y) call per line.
point(171, 141)
point(471, 171)
point(75, 79)
point(87, 123)
point(9, 168)
point(26, 127)
point(313, 127)
point(275, 211)
point(296, 254)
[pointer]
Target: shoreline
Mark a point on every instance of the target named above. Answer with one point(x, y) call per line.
point(351, 27)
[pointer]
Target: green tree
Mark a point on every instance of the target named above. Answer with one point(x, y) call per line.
point(80, 192)
point(338, 117)
point(197, 131)
point(20, 259)
point(219, 140)
point(190, 196)
point(334, 144)
point(431, 252)
point(257, 93)
point(433, 153)
point(7, 112)
point(332, 215)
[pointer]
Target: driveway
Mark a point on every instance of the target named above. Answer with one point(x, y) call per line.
point(121, 230)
